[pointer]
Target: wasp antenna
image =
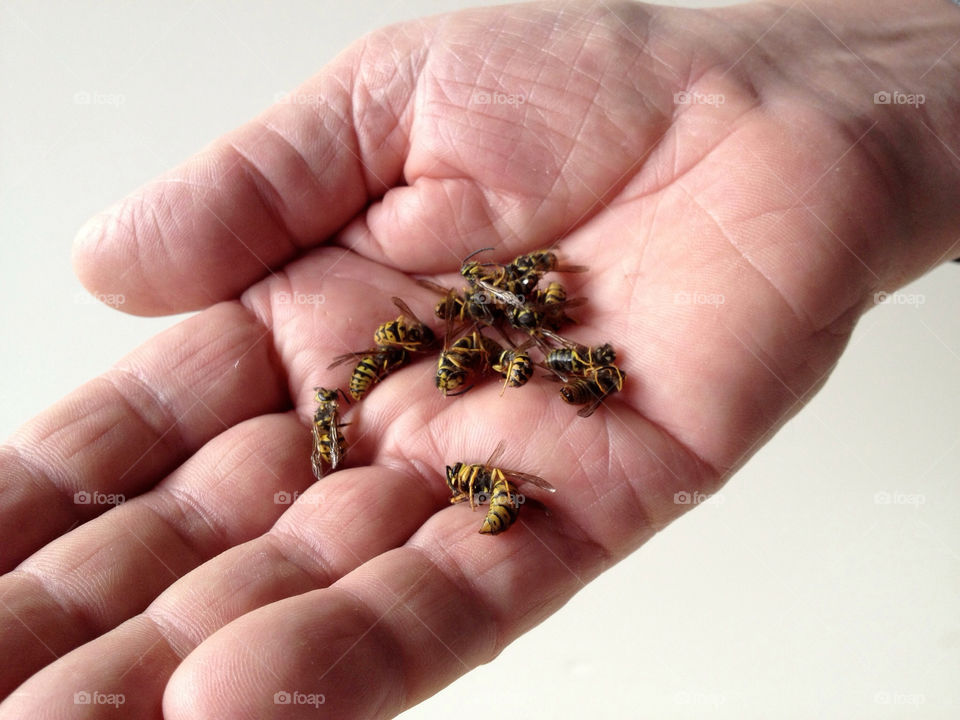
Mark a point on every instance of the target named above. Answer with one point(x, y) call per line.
point(476, 252)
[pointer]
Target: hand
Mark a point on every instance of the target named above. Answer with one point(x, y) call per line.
point(734, 234)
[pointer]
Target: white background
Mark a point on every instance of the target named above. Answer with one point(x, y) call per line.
point(793, 593)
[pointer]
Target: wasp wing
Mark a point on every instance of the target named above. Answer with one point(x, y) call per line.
point(335, 442)
point(405, 310)
point(346, 357)
point(518, 478)
point(316, 458)
point(496, 454)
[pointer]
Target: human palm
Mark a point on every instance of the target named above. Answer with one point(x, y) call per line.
point(733, 224)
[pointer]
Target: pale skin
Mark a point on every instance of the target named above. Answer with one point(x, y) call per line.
point(776, 183)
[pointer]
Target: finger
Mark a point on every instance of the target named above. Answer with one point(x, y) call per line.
point(119, 434)
point(92, 579)
point(333, 527)
point(408, 622)
point(255, 198)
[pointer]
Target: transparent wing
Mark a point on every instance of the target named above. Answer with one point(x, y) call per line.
point(341, 359)
point(335, 455)
point(316, 459)
point(496, 454)
point(504, 296)
point(519, 478)
point(405, 309)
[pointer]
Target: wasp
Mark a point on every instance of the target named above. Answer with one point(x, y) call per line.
point(470, 306)
point(514, 365)
point(406, 332)
point(474, 271)
point(537, 264)
point(474, 483)
point(580, 360)
point(373, 365)
point(329, 445)
point(546, 312)
point(493, 283)
point(591, 389)
point(467, 356)
point(394, 341)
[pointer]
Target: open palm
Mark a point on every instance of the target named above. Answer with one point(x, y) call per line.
point(730, 219)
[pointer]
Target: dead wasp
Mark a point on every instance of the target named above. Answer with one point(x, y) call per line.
point(394, 341)
point(467, 307)
point(581, 360)
point(468, 356)
point(514, 365)
point(406, 332)
point(477, 482)
point(329, 445)
point(537, 264)
point(547, 311)
point(593, 388)
point(492, 279)
point(373, 365)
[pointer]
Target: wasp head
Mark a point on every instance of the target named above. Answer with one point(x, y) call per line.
point(323, 395)
point(605, 354)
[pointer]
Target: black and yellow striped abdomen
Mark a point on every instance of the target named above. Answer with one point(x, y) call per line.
point(504, 505)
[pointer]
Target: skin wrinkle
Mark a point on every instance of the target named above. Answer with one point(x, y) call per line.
point(76, 616)
point(279, 208)
point(177, 640)
point(804, 320)
point(481, 614)
point(308, 558)
point(32, 458)
point(188, 508)
point(36, 474)
point(388, 644)
point(170, 420)
point(357, 109)
point(160, 245)
point(192, 545)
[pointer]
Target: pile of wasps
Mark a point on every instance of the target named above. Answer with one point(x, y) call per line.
point(500, 298)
